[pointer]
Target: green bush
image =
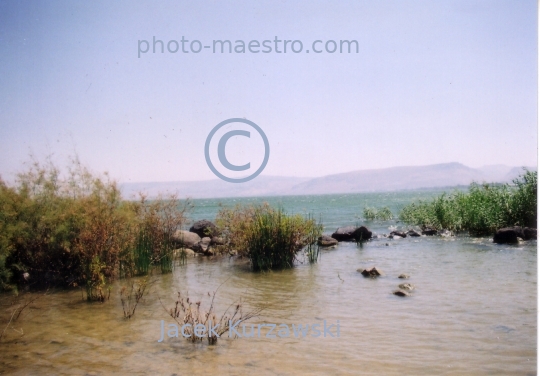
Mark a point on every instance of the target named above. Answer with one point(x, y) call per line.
point(482, 210)
point(76, 230)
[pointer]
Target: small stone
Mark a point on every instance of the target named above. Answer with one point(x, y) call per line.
point(406, 286)
point(401, 293)
point(404, 276)
point(373, 272)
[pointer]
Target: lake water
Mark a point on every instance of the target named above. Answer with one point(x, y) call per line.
point(473, 312)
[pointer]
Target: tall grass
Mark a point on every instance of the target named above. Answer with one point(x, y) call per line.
point(482, 210)
point(269, 237)
point(74, 229)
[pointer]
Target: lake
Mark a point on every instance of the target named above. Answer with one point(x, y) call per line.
point(473, 310)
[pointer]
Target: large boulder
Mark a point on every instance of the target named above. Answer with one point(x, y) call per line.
point(352, 233)
point(204, 228)
point(362, 233)
point(326, 241)
point(344, 234)
point(510, 235)
point(186, 239)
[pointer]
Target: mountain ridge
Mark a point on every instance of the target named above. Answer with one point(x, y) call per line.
point(367, 180)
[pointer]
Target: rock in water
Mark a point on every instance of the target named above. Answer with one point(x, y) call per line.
point(406, 286)
point(326, 241)
point(343, 234)
point(202, 246)
point(403, 276)
point(204, 228)
point(429, 231)
point(186, 239)
point(362, 234)
point(373, 272)
point(401, 293)
point(401, 234)
point(508, 235)
point(413, 233)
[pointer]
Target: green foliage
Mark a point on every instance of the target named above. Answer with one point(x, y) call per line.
point(75, 230)
point(481, 211)
point(382, 214)
point(269, 237)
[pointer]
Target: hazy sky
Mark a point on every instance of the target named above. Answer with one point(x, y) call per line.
point(433, 82)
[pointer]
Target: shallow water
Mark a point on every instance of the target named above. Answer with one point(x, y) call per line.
point(473, 311)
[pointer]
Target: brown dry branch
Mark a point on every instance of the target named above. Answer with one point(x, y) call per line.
point(185, 311)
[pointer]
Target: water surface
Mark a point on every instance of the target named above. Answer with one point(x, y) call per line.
point(473, 310)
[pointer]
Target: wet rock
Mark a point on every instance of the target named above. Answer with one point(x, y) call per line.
point(217, 240)
point(352, 233)
point(361, 234)
point(344, 234)
point(373, 272)
point(406, 286)
point(404, 276)
point(186, 239)
point(400, 234)
point(508, 235)
point(204, 228)
point(326, 241)
point(429, 231)
point(401, 293)
point(203, 245)
point(529, 233)
point(413, 233)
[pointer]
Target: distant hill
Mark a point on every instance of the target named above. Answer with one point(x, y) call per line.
point(374, 180)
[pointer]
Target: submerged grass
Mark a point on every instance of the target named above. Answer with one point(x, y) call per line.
point(482, 210)
point(382, 214)
point(186, 311)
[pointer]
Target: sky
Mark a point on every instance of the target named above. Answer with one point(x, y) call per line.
point(432, 82)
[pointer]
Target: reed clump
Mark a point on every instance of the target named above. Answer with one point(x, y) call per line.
point(74, 229)
point(269, 237)
point(480, 211)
